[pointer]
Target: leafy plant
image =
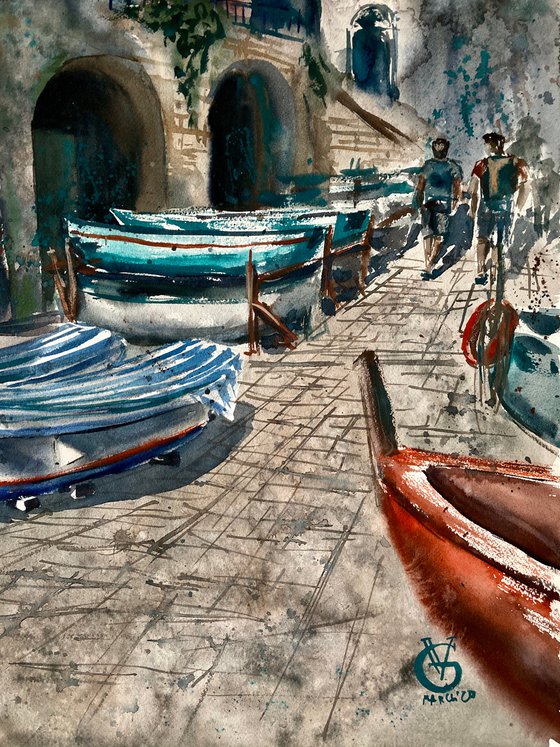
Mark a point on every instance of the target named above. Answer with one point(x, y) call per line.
point(193, 27)
point(322, 76)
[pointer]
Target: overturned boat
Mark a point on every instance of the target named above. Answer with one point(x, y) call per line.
point(68, 349)
point(349, 225)
point(199, 252)
point(62, 431)
point(158, 286)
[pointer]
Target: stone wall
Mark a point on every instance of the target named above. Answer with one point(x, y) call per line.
point(472, 66)
point(38, 42)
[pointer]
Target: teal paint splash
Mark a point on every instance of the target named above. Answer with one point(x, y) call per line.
point(530, 393)
point(473, 82)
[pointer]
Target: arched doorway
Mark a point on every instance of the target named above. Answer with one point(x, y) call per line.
point(252, 124)
point(374, 50)
point(97, 143)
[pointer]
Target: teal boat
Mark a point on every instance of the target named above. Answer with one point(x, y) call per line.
point(201, 253)
point(530, 392)
point(349, 226)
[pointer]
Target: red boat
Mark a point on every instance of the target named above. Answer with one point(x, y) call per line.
point(480, 541)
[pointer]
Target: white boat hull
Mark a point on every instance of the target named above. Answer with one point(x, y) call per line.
point(163, 318)
point(45, 464)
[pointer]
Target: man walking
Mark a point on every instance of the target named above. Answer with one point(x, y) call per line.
point(497, 182)
point(437, 193)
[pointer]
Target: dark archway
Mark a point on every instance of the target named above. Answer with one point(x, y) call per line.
point(374, 50)
point(97, 143)
point(252, 123)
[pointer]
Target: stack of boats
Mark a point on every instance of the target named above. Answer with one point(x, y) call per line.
point(74, 405)
point(166, 276)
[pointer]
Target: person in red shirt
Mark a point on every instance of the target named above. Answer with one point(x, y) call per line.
point(498, 184)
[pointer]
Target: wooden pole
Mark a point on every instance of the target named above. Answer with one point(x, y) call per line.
point(252, 282)
point(365, 256)
point(72, 284)
point(60, 286)
point(328, 292)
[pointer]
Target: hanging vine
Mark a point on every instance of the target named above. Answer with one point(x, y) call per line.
point(323, 77)
point(193, 28)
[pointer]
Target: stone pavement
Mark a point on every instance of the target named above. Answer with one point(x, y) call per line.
point(250, 596)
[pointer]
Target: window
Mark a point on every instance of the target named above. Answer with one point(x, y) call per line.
point(372, 47)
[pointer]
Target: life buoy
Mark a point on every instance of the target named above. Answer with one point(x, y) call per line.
point(488, 334)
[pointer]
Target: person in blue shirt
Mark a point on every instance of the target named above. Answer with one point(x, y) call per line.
point(438, 192)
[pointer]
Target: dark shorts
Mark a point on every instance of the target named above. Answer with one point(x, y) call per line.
point(494, 223)
point(435, 218)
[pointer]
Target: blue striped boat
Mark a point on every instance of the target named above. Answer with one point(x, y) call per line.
point(69, 349)
point(46, 464)
point(349, 225)
point(185, 373)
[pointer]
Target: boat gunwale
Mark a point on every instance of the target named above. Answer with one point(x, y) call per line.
point(448, 523)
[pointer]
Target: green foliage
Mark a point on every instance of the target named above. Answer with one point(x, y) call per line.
point(317, 70)
point(193, 27)
point(323, 78)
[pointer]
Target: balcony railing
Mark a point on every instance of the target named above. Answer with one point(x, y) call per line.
point(272, 17)
point(267, 18)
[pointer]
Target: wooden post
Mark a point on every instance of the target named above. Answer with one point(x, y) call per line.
point(356, 190)
point(60, 286)
point(252, 282)
point(260, 310)
point(72, 297)
point(365, 256)
point(328, 292)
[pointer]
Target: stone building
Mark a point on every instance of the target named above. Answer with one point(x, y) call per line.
point(296, 92)
point(91, 114)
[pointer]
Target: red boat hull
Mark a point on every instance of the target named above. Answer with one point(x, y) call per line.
point(500, 621)
point(480, 540)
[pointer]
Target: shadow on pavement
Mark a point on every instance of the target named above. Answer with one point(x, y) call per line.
point(197, 458)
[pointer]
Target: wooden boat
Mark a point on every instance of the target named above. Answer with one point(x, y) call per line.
point(480, 540)
point(349, 225)
point(196, 253)
point(157, 308)
point(153, 383)
point(31, 467)
point(69, 349)
point(158, 286)
point(58, 433)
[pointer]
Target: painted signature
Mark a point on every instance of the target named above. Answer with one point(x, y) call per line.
point(439, 673)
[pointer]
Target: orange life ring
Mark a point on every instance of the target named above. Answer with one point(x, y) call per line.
point(477, 339)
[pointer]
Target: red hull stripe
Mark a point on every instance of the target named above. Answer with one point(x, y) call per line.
point(105, 460)
point(417, 457)
point(167, 245)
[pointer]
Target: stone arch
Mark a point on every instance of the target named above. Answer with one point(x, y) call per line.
point(98, 140)
point(252, 121)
